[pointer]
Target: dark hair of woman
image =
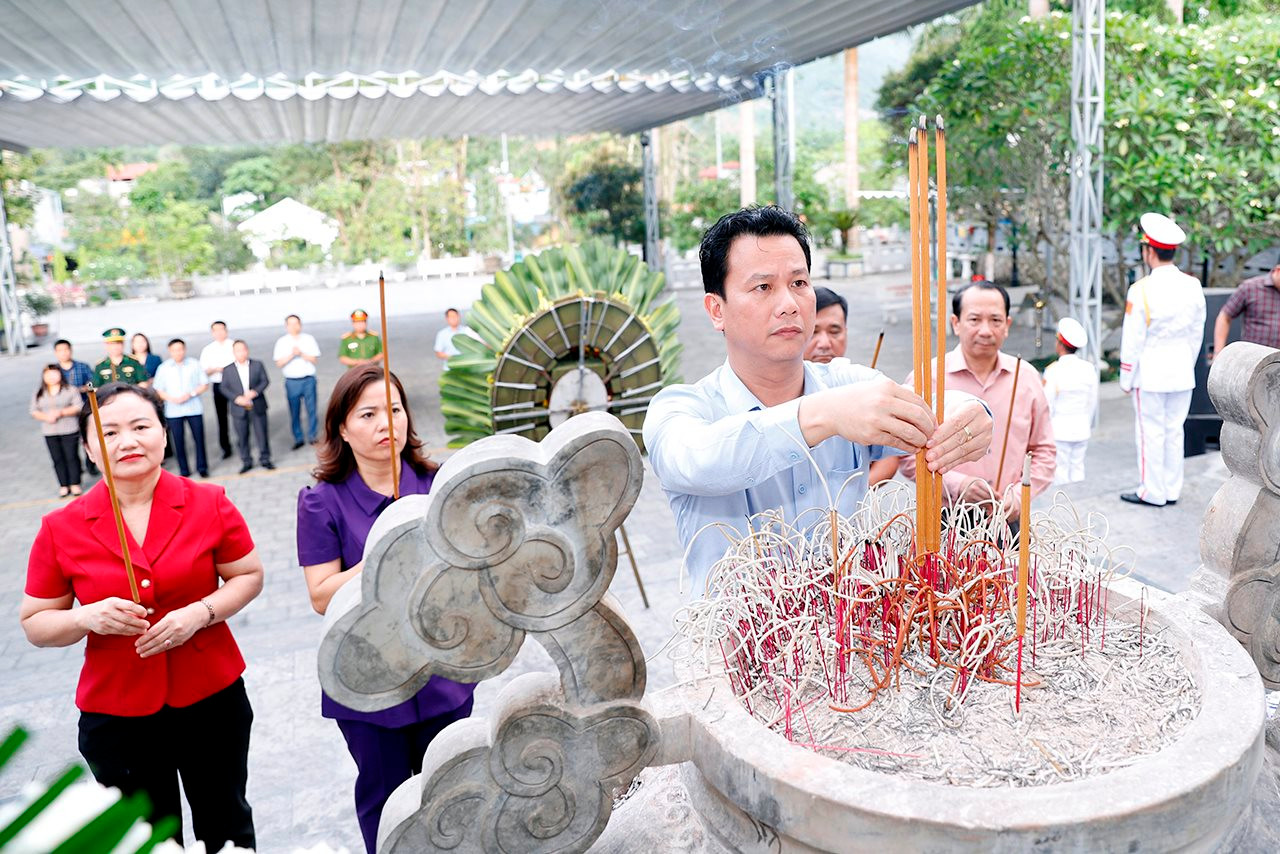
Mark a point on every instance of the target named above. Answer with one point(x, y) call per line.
point(107, 393)
point(145, 340)
point(62, 381)
point(334, 459)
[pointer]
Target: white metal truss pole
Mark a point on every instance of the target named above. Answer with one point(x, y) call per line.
point(1088, 102)
point(652, 246)
point(15, 341)
point(781, 93)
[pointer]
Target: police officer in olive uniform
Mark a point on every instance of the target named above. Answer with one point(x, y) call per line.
point(359, 346)
point(1163, 333)
point(117, 367)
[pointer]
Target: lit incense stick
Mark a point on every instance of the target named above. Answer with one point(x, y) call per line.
point(115, 500)
point(1024, 568)
point(875, 357)
point(386, 381)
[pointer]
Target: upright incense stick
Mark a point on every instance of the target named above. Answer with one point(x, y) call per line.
point(1024, 570)
point(875, 357)
point(386, 382)
point(115, 500)
point(940, 152)
point(1008, 421)
point(917, 320)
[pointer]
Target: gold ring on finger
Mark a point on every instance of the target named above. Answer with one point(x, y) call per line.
point(968, 437)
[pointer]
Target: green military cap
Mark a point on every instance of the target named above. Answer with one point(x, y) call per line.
point(115, 333)
point(359, 314)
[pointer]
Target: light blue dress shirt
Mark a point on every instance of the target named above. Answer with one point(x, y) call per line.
point(174, 378)
point(722, 456)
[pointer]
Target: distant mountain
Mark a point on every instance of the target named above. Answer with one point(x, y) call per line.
point(820, 84)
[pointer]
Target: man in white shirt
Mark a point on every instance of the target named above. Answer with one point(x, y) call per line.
point(180, 381)
point(742, 439)
point(1163, 332)
point(444, 338)
point(295, 354)
point(1071, 389)
point(830, 329)
point(215, 356)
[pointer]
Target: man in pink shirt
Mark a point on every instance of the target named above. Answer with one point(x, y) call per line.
point(980, 319)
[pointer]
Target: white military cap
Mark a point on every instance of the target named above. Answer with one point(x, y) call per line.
point(1161, 232)
point(1072, 333)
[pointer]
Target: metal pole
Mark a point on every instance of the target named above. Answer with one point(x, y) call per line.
point(781, 90)
point(15, 342)
point(1088, 100)
point(652, 247)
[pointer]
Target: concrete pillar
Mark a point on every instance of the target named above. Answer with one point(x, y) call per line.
point(781, 91)
point(747, 152)
point(851, 179)
point(652, 244)
point(1176, 8)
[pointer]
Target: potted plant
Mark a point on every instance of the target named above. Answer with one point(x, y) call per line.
point(39, 305)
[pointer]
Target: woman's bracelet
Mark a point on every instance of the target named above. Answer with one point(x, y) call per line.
point(212, 615)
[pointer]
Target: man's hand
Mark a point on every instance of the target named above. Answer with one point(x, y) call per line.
point(877, 412)
point(963, 437)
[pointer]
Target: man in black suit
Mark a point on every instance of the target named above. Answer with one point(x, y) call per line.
point(243, 384)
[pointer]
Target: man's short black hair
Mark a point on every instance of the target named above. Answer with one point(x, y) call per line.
point(61, 341)
point(218, 323)
point(173, 341)
point(289, 317)
point(982, 285)
point(761, 221)
point(827, 298)
point(1163, 254)
point(449, 311)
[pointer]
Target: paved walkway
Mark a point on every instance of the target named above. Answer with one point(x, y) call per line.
point(300, 772)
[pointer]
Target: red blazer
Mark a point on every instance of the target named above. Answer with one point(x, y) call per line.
point(193, 527)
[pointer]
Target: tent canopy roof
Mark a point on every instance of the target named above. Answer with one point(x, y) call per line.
point(125, 71)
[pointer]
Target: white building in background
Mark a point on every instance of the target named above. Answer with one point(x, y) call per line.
point(287, 220)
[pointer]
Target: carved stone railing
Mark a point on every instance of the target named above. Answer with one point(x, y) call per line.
point(515, 539)
point(1239, 578)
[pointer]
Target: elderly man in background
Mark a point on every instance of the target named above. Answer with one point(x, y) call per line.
point(830, 329)
point(1258, 299)
point(980, 319)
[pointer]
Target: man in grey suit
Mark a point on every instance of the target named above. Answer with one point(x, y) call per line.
point(243, 384)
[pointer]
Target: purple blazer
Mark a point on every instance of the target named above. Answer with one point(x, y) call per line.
point(333, 522)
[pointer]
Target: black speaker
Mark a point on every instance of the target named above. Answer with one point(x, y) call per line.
point(1203, 423)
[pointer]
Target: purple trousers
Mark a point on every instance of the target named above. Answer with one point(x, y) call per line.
point(386, 757)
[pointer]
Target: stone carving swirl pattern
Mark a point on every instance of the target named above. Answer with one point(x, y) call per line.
point(1239, 578)
point(516, 538)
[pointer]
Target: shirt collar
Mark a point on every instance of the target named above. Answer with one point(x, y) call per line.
point(738, 398)
point(956, 361)
point(169, 491)
point(372, 502)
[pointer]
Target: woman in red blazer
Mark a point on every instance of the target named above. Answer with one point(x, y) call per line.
point(161, 694)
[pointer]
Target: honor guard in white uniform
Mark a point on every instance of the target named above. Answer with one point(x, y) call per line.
point(1163, 333)
point(1071, 388)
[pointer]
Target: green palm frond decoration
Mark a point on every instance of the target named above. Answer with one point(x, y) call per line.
point(572, 330)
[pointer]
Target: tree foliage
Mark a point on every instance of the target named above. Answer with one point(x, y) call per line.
point(604, 195)
point(1193, 126)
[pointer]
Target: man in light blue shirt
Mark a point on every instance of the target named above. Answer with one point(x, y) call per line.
point(740, 440)
point(180, 381)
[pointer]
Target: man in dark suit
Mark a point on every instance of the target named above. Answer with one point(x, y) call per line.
point(243, 384)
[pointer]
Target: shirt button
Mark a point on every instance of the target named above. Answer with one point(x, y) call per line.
point(750, 481)
point(145, 583)
point(801, 489)
point(794, 457)
point(150, 611)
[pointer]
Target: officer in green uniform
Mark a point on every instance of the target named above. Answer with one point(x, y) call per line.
point(359, 346)
point(117, 367)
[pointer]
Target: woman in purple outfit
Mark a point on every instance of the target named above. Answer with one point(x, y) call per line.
point(353, 486)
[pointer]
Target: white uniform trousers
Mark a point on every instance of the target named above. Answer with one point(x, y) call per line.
point(1070, 463)
point(1158, 422)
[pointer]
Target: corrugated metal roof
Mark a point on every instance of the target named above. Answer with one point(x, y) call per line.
point(46, 42)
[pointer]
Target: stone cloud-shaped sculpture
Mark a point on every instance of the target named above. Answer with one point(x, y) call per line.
point(1239, 578)
point(516, 538)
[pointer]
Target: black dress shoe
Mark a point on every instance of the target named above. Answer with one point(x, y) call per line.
point(269, 465)
point(315, 441)
point(226, 454)
point(1132, 498)
point(204, 474)
point(297, 445)
point(1171, 502)
point(244, 468)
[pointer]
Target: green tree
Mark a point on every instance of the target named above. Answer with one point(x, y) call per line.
point(168, 182)
point(176, 239)
point(604, 195)
point(262, 176)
